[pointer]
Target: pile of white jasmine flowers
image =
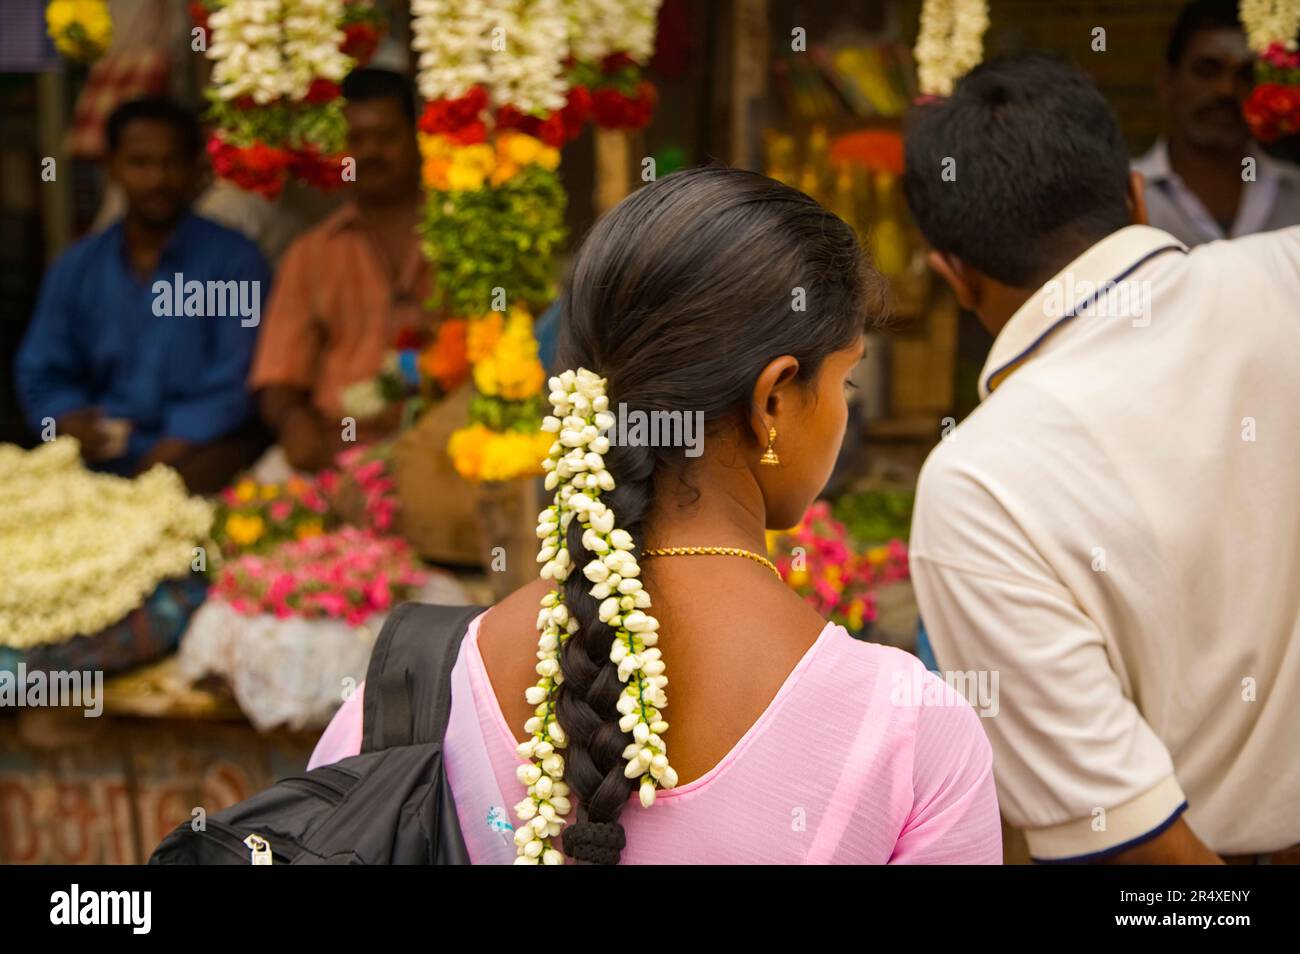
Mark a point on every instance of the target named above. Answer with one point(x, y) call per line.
point(81, 549)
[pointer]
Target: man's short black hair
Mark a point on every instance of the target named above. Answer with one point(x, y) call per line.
point(361, 85)
point(156, 109)
point(1019, 171)
point(1197, 16)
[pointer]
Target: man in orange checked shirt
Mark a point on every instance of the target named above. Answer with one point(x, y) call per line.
point(347, 288)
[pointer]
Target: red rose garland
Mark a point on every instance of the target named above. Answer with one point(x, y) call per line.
point(1273, 109)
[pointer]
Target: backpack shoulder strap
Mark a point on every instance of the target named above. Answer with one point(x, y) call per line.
point(408, 681)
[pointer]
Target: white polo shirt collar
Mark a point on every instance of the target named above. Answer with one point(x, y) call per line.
point(1113, 259)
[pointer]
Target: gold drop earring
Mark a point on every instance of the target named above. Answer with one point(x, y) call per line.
point(769, 455)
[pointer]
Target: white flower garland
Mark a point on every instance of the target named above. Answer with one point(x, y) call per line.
point(245, 47)
point(1270, 21)
point(575, 470)
point(598, 28)
point(268, 49)
point(312, 41)
point(456, 42)
point(950, 43)
point(528, 72)
point(81, 550)
point(452, 39)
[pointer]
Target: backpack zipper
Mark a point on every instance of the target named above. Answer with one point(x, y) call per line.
point(260, 847)
point(231, 839)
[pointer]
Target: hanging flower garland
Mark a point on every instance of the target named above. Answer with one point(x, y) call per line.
point(611, 41)
point(497, 110)
point(1273, 108)
point(363, 27)
point(950, 43)
point(575, 471)
point(275, 91)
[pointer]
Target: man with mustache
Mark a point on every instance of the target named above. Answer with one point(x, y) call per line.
point(1195, 183)
point(346, 288)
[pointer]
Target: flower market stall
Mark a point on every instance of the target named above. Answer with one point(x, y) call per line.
point(228, 629)
point(275, 590)
point(303, 593)
point(279, 590)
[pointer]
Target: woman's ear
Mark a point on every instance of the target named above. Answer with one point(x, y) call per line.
point(773, 393)
point(963, 281)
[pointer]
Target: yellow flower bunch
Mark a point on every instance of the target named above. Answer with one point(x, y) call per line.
point(480, 454)
point(483, 334)
point(245, 529)
point(512, 370)
point(450, 166)
point(84, 549)
point(520, 149)
point(81, 29)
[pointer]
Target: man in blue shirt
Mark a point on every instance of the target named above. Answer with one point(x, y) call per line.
point(142, 335)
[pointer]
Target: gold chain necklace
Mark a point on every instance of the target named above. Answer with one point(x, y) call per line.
point(714, 551)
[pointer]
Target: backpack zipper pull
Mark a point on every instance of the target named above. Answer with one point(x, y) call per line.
point(261, 849)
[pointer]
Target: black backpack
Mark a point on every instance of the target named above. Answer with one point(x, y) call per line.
point(388, 805)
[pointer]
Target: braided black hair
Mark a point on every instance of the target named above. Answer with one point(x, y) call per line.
point(679, 297)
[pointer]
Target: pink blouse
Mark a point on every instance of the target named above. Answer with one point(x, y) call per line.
point(862, 757)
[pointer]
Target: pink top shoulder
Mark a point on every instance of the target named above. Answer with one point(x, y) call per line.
point(863, 757)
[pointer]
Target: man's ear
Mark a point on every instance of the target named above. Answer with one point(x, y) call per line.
point(1137, 198)
point(964, 281)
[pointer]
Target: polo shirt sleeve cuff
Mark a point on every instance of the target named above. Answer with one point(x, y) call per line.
point(1127, 825)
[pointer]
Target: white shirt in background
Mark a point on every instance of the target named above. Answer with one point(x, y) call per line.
point(1271, 201)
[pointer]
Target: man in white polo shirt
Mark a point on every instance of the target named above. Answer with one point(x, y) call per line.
point(1116, 529)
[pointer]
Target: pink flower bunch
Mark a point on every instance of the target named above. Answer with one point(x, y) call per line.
point(819, 560)
point(1279, 57)
point(349, 574)
point(1273, 107)
point(378, 489)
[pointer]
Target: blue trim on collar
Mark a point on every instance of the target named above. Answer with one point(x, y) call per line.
point(1131, 843)
point(989, 384)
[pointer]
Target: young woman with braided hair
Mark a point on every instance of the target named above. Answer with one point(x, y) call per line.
point(725, 293)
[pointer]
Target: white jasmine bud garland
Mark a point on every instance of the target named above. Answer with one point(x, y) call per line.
point(273, 49)
point(1270, 21)
point(575, 471)
point(515, 49)
point(601, 27)
point(950, 43)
